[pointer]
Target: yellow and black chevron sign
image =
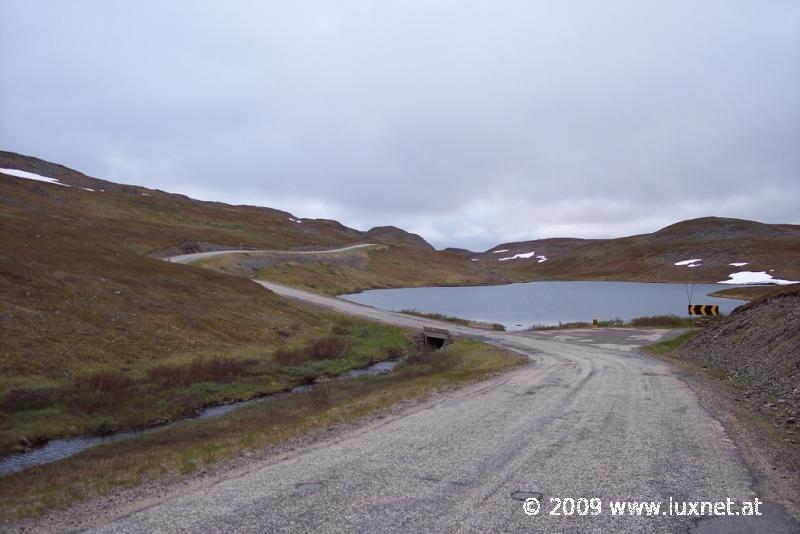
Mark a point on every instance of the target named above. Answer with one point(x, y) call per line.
point(703, 309)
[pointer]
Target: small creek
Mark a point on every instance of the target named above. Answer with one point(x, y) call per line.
point(59, 449)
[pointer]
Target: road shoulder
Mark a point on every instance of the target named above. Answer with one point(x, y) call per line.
point(774, 463)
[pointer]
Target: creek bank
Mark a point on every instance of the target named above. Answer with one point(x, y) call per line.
point(44, 452)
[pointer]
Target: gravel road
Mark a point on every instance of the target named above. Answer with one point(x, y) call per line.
point(189, 258)
point(590, 417)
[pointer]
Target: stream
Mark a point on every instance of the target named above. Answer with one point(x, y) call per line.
point(59, 449)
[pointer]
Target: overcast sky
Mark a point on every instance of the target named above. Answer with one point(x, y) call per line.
point(471, 123)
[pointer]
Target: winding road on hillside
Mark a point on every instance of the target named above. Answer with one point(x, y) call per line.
point(194, 256)
point(590, 417)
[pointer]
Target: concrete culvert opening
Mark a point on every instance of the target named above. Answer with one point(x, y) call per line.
point(432, 338)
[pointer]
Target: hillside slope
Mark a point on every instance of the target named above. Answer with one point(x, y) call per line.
point(758, 346)
point(98, 335)
point(76, 290)
point(771, 248)
point(143, 221)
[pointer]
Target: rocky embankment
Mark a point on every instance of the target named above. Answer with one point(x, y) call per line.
point(758, 347)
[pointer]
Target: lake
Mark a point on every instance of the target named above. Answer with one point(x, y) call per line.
point(518, 306)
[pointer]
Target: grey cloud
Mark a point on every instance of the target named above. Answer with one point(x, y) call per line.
point(469, 122)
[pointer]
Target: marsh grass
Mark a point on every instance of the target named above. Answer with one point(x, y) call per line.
point(136, 396)
point(172, 452)
point(667, 347)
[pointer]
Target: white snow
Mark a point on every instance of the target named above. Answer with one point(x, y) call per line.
point(524, 256)
point(298, 221)
point(739, 264)
point(476, 259)
point(755, 277)
point(689, 263)
point(145, 194)
point(541, 259)
point(499, 251)
point(32, 176)
point(38, 177)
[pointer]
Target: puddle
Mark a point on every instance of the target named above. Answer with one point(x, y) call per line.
point(59, 449)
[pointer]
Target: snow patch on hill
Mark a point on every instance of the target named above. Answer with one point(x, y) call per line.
point(755, 277)
point(521, 256)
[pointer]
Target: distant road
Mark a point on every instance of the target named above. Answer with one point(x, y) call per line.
point(189, 258)
point(591, 417)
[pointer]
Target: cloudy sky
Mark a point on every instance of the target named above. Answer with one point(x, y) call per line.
point(469, 122)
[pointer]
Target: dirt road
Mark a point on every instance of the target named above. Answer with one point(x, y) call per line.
point(589, 418)
point(189, 258)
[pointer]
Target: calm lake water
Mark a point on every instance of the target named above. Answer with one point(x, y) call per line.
point(519, 306)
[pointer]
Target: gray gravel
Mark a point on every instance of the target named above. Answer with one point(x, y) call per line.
point(591, 417)
point(189, 258)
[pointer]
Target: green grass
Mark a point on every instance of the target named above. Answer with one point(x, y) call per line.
point(455, 320)
point(359, 269)
point(169, 453)
point(437, 317)
point(102, 398)
point(649, 321)
point(667, 347)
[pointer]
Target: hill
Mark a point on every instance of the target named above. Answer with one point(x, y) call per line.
point(87, 306)
point(719, 242)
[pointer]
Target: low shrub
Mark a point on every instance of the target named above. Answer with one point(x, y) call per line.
point(20, 399)
point(340, 330)
point(658, 320)
point(393, 353)
point(289, 356)
point(320, 396)
point(200, 370)
point(419, 357)
point(425, 361)
point(328, 348)
point(189, 405)
point(103, 381)
point(437, 317)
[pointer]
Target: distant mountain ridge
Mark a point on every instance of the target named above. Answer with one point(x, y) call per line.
point(717, 241)
point(336, 231)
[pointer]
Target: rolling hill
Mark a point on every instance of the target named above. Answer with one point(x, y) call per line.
point(81, 282)
point(718, 242)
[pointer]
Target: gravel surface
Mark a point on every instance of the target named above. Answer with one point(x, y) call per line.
point(189, 258)
point(591, 417)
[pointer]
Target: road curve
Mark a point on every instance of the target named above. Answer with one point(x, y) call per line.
point(189, 258)
point(590, 417)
